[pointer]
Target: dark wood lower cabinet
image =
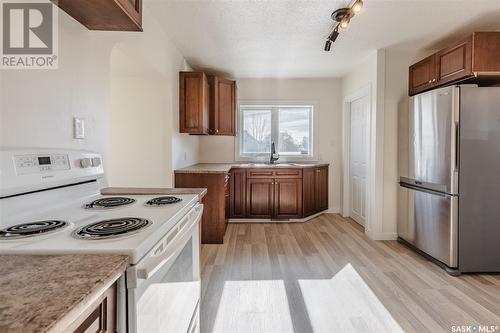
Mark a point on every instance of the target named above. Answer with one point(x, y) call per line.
point(260, 198)
point(95, 322)
point(322, 188)
point(279, 193)
point(287, 198)
point(315, 190)
point(309, 191)
point(237, 197)
point(257, 193)
point(100, 317)
point(213, 222)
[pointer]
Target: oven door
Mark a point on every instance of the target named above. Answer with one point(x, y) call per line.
point(163, 289)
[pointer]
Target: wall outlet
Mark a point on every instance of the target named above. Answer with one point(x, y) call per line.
point(78, 128)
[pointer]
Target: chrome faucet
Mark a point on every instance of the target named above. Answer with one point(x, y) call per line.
point(274, 155)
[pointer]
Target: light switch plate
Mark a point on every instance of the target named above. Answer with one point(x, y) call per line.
point(78, 128)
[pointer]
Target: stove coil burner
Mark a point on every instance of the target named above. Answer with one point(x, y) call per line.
point(113, 228)
point(162, 201)
point(109, 202)
point(31, 229)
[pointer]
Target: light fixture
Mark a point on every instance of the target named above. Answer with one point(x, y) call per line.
point(344, 23)
point(342, 18)
point(331, 39)
point(333, 36)
point(358, 5)
point(328, 45)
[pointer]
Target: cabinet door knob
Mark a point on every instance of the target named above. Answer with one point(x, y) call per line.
point(430, 81)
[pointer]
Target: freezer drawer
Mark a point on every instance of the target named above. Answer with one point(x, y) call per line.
point(428, 220)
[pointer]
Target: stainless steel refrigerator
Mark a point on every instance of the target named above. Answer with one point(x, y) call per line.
point(449, 193)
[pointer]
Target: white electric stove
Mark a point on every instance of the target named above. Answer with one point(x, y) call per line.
point(50, 203)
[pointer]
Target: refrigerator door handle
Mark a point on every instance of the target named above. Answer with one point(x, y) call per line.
point(421, 189)
point(455, 140)
point(457, 144)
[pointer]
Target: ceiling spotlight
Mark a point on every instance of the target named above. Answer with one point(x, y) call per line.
point(344, 23)
point(358, 5)
point(333, 36)
point(331, 39)
point(328, 45)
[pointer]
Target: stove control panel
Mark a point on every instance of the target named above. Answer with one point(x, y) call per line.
point(88, 162)
point(27, 164)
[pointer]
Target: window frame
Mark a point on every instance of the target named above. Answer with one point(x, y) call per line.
point(264, 157)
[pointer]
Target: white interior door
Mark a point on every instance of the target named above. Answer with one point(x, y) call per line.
point(358, 164)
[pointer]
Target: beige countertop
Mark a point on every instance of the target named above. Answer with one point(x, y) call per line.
point(153, 191)
point(46, 293)
point(225, 167)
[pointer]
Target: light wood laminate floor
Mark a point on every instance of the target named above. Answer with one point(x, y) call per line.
point(325, 275)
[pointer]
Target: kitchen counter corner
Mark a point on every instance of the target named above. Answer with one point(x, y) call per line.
point(46, 293)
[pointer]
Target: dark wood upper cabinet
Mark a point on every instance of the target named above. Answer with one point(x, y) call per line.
point(315, 190)
point(470, 58)
point(455, 62)
point(207, 104)
point(222, 106)
point(193, 103)
point(108, 15)
point(422, 75)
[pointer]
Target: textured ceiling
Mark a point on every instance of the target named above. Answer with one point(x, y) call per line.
point(285, 38)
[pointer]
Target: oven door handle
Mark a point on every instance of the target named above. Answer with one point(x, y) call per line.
point(182, 236)
point(145, 273)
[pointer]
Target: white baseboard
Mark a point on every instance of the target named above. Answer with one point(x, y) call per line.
point(333, 210)
point(248, 220)
point(382, 235)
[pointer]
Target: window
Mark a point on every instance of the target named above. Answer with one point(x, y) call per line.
point(288, 126)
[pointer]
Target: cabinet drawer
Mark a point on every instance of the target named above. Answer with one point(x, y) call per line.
point(274, 173)
point(260, 173)
point(288, 173)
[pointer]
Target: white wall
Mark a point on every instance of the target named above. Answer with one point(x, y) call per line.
point(325, 94)
point(368, 74)
point(144, 130)
point(364, 74)
point(386, 71)
point(37, 106)
point(396, 102)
